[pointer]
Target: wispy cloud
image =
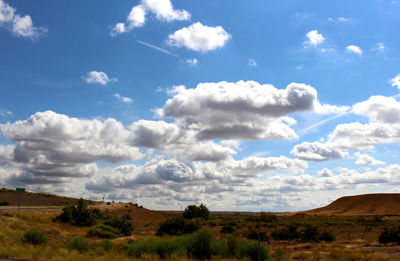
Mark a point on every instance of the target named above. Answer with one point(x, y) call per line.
point(157, 48)
point(122, 98)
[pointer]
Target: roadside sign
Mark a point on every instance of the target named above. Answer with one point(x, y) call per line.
point(20, 190)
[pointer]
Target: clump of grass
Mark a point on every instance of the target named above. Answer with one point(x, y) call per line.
point(34, 237)
point(79, 243)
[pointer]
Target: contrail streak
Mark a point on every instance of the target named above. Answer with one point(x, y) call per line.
point(324, 121)
point(157, 48)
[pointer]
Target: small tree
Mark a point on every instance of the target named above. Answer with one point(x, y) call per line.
point(193, 211)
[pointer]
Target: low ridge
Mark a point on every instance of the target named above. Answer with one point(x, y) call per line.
point(367, 205)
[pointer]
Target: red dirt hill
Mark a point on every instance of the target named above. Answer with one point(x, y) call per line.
point(367, 205)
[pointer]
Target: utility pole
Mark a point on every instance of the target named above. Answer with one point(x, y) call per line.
point(259, 240)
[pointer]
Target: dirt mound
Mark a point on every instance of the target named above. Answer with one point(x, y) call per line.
point(367, 205)
point(10, 197)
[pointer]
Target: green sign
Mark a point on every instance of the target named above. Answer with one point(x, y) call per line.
point(20, 190)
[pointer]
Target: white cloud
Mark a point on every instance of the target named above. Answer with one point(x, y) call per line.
point(252, 63)
point(325, 173)
point(163, 10)
point(192, 62)
point(21, 26)
point(395, 81)
point(95, 77)
point(364, 159)
point(317, 151)
point(122, 98)
point(198, 37)
point(354, 49)
point(340, 19)
point(181, 143)
point(5, 113)
point(380, 47)
point(358, 136)
point(242, 110)
point(314, 38)
point(379, 109)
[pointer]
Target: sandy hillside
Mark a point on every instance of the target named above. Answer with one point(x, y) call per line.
point(368, 204)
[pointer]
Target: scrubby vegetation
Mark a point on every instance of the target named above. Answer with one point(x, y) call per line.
point(193, 211)
point(34, 237)
point(79, 244)
point(102, 225)
point(390, 234)
point(199, 245)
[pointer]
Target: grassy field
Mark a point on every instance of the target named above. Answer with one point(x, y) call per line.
point(356, 238)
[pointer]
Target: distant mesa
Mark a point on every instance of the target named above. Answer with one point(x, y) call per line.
point(361, 205)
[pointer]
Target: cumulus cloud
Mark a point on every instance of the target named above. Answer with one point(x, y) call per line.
point(252, 63)
point(122, 98)
point(21, 26)
point(314, 38)
point(162, 9)
point(354, 49)
point(395, 81)
point(242, 110)
point(364, 159)
point(379, 109)
point(317, 151)
point(198, 37)
point(95, 77)
point(173, 172)
point(325, 173)
point(192, 62)
point(56, 146)
point(174, 141)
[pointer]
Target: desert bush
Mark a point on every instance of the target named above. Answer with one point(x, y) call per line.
point(193, 211)
point(390, 234)
point(123, 225)
point(4, 203)
point(161, 247)
point(80, 215)
point(227, 229)
point(251, 250)
point(106, 245)
point(200, 244)
point(288, 233)
point(78, 243)
point(34, 237)
point(252, 233)
point(327, 236)
point(268, 218)
point(178, 226)
point(309, 233)
point(103, 231)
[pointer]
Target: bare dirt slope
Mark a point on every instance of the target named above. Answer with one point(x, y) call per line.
point(35, 199)
point(368, 204)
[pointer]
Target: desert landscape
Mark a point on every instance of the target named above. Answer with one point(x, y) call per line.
point(362, 227)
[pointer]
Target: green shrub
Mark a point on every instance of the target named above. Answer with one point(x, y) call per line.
point(287, 233)
point(232, 247)
point(178, 226)
point(193, 211)
point(80, 215)
point(390, 234)
point(162, 247)
point(78, 243)
point(34, 237)
point(106, 245)
point(251, 250)
point(309, 233)
point(227, 229)
point(327, 236)
point(268, 218)
point(123, 225)
point(200, 244)
point(103, 231)
point(253, 234)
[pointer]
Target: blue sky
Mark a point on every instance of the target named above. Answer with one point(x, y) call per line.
point(279, 105)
